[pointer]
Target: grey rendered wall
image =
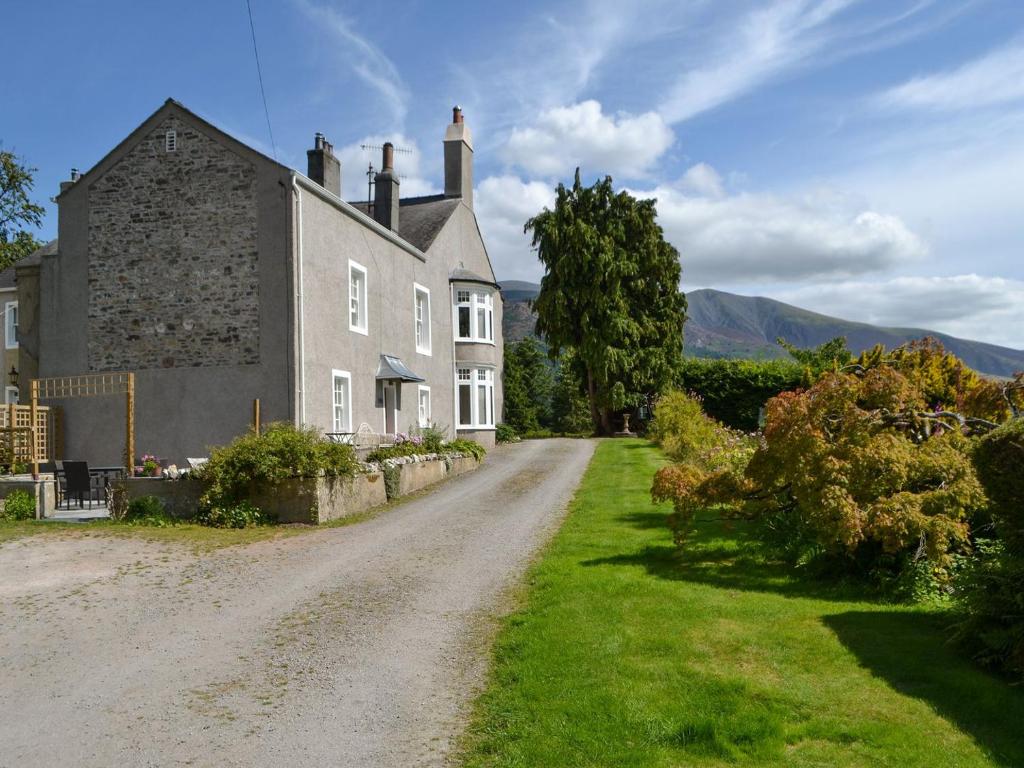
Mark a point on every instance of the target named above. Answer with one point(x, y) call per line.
point(329, 239)
point(180, 411)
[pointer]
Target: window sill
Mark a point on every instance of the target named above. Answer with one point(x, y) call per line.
point(425, 352)
point(475, 341)
point(465, 428)
point(363, 331)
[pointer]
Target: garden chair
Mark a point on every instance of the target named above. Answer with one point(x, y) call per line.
point(78, 484)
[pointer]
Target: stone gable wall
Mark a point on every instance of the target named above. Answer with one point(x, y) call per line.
point(173, 263)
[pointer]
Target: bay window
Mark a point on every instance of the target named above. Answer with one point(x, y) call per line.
point(474, 319)
point(475, 397)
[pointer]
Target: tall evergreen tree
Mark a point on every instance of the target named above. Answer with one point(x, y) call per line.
point(528, 383)
point(610, 294)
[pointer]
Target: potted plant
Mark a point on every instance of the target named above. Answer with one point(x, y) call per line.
point(151, 465)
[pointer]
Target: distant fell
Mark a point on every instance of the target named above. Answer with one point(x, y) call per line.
point(721, 324)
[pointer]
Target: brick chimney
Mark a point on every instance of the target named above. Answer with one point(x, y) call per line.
point(458, 159)
point(385, 191)
point(323, 167)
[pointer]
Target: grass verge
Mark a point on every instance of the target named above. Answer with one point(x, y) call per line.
point(628, 652)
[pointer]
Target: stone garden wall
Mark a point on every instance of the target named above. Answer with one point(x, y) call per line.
point(317, 500)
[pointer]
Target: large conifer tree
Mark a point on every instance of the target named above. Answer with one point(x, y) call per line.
point(610, 294)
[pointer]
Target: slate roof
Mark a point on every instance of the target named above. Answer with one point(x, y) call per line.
point(7, 276)
point(420, 218)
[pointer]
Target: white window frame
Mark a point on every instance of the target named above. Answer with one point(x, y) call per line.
point(360, 300)
point(422, 415)
point(479, 300)
point(8, 398)
point(421, 325)
point(476, 382)
point(11, 328)
point(347, 405)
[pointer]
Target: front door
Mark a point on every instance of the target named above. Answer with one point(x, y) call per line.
point(390, 408)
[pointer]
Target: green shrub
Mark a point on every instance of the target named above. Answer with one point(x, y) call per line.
point(992, 588)
point(734, 391)
point(392, 475)
point(681, 427)
point(999, 462)
point(19, 505)
point(241, 514)
point(505, 433)
point(471, 447)
point(432, 437)
point(147, 510)
point(991, 594)
point(257, 462)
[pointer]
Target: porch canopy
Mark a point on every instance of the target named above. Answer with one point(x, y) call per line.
point(392, 368)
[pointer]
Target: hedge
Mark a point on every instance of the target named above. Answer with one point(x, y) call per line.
point(734, 391)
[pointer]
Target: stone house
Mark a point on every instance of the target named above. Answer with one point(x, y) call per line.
point(220, 276)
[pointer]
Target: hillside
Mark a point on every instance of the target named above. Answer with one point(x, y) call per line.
point(721, 324)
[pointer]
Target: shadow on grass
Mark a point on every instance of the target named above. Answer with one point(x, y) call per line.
point(645, 521)
point(727, 555)
point(909, 651)
point(724, 567)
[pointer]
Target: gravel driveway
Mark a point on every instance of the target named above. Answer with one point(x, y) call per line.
point(357, 646)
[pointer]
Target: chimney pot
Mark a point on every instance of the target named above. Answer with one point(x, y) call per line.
point(75, 175)
point(389, 156)
point(456, 114)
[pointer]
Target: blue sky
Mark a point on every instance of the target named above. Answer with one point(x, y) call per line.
point(864, 159)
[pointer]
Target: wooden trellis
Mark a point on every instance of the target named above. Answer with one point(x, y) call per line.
point(16, 445)
point(86, 385)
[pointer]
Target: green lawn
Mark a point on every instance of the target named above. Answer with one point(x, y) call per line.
point(628, 653)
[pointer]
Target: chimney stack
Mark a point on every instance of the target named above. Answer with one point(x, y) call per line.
point(66, 185)
point(323, 167)
point(385, 191)
point(458, 159)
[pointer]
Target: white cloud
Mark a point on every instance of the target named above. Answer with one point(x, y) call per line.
point(968, 306)
point(996, 78)
point(366, 60)
point(704, 180)
point(777, 39)
point(413, 179)
point(582, 135)
point(760, 237)
point(503, 204)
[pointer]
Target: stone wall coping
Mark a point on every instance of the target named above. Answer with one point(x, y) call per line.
point(417, 458)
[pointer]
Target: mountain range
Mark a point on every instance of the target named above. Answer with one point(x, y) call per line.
point(727, 325)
